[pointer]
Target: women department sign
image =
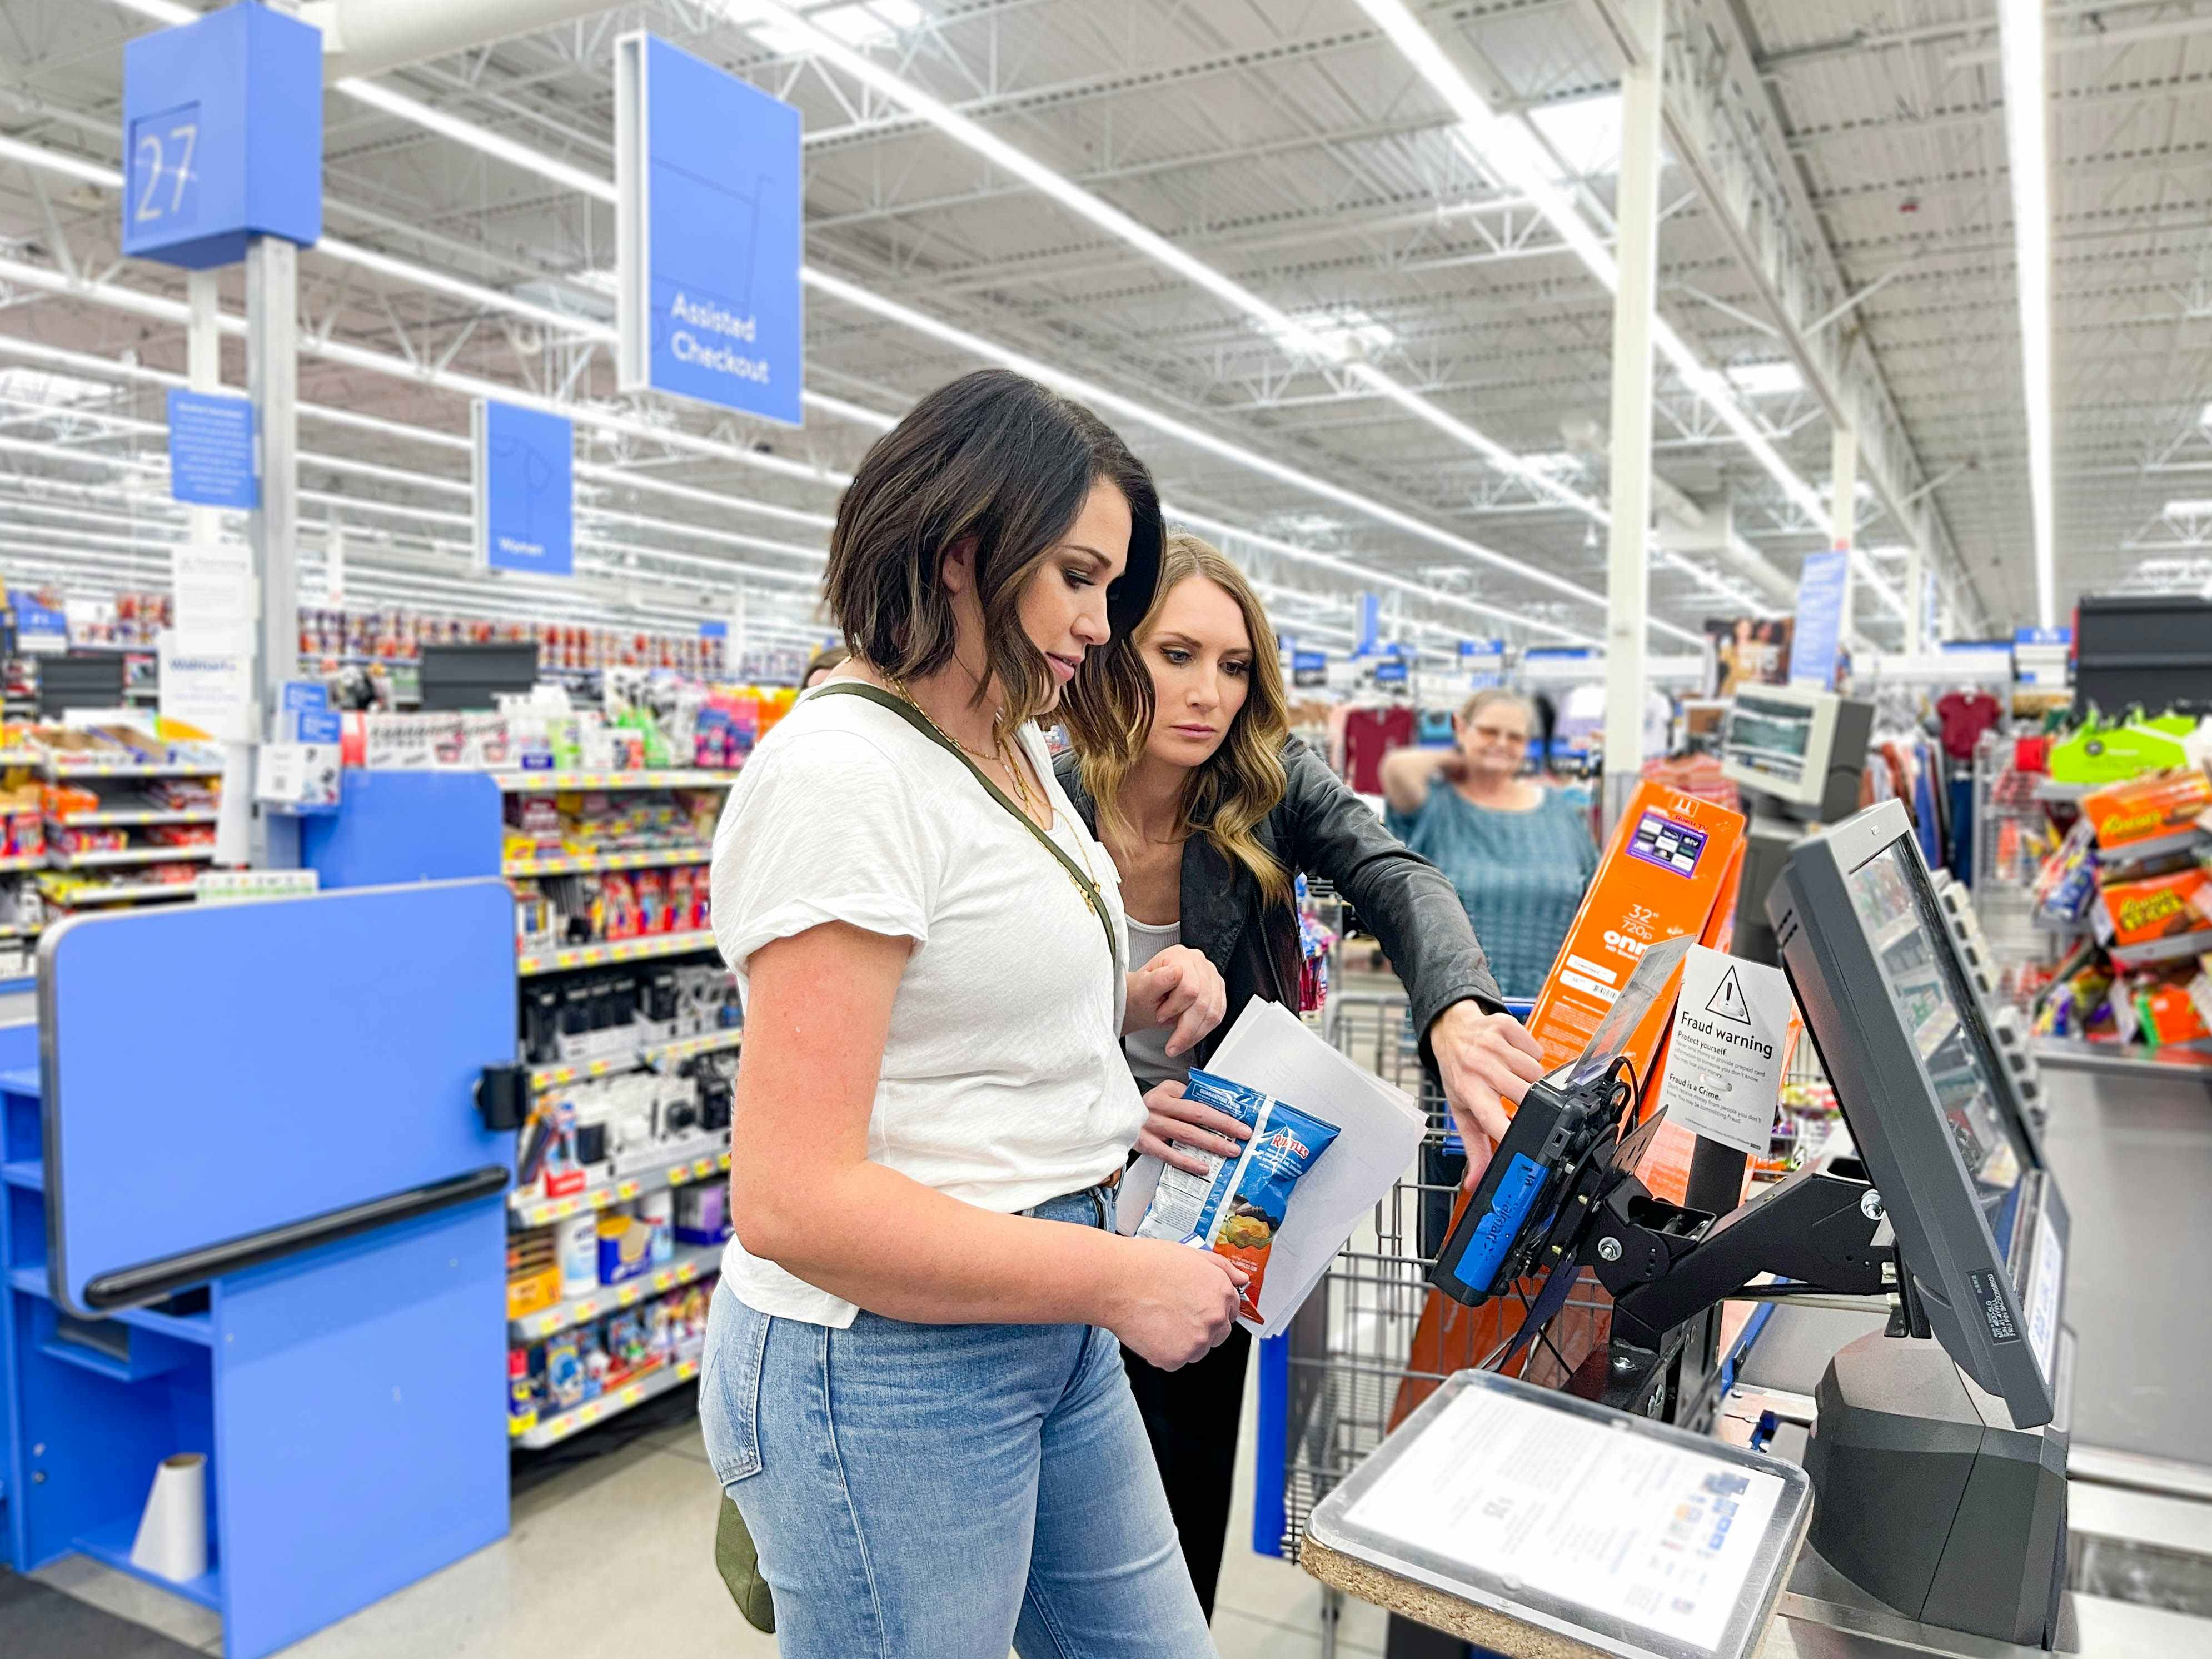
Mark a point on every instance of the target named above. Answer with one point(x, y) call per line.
point(707, 234)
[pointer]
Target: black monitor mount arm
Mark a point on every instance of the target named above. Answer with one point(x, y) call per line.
point(1666, 1267)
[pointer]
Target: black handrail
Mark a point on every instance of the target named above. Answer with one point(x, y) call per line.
point(131, 1287)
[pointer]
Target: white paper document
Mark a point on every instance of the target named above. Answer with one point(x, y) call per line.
point(1271, 1049)
point(1624, 1525)
point(1724, 1061)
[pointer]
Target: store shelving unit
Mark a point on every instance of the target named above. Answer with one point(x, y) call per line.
point(529, 1210)
point(531, 783)
point(536, 1433)
point(601, 956)
point(60, 859)
point(58, 766)
point(653, 1056)
point(123, 817)
point(689, 1265)
point(2178, 949)
point(563, 864)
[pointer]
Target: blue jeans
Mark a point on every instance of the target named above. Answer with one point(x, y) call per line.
point(947, 1492)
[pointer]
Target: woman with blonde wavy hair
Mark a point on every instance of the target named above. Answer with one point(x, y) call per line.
point(1209, 809)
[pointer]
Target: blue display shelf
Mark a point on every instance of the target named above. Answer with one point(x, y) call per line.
point(134, 1326)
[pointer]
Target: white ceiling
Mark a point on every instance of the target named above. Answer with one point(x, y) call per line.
point(1287, 144)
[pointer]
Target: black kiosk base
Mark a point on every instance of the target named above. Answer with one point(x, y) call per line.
point(1930, 1501)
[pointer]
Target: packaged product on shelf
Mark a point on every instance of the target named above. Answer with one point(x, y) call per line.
point(2163, 1010)
point(2122, 814)
point(65, 800)
point(702, 1213)
point(625, 1246)
point(180, 835)
point(2157, 906)
point(564, 1373)
point(575, 1244)
point(658, 1212)
point(533, 1272)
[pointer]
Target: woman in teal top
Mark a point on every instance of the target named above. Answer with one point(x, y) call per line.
point(1519, 853)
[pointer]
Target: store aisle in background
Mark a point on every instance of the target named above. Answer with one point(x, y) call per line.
point(620, 1518)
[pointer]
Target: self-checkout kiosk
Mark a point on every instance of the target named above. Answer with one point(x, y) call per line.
point(1937, 1455)
point(1796, 755)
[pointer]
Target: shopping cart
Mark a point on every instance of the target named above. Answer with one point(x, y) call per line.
point(1329, 1384)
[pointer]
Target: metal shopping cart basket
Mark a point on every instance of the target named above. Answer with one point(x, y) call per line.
point(1329, 1383)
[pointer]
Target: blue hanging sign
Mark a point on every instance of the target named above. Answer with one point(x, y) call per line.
point(707, 228)
point(2042, 636)
point(1482, 648)
point(526, 490)
point(211, 450)
point(39, 630)
point(1824, 584)
point(1391, 672)
point(713, 630)
point(222, 137)
point(1370, 617)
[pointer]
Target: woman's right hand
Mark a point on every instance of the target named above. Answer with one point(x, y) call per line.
point(1174, 1124)
point(1178, 1304)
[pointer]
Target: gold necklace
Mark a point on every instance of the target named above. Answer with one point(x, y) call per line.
point(1013, 772)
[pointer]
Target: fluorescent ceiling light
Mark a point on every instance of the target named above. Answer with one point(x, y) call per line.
point(2188, 509)
point(862, 25)
point(2204, 416)
point(1890, 554)
point(1554, 461)
point(1765, 380)
point(1348, 331)
point(1585, 135)
point(56, 392)
point(2027, 151)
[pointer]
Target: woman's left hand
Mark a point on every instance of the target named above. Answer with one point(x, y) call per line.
point(1481, 1057)
point(1178, 988)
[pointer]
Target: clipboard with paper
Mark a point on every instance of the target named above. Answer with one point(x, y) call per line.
point(1379, 1133)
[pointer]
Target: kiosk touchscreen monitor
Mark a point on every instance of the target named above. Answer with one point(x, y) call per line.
point(1906, 1039)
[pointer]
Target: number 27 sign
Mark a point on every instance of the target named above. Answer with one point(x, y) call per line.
point(222, 134)
point(162, 190)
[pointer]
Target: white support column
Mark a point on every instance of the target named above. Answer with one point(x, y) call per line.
point(203, 369)
point(272, 375)
point(1843, 515)
point(1915, 602)
point(1628, 562)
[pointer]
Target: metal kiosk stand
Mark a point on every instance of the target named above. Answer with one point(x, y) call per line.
point(252, 1212)
point(1939, 1449)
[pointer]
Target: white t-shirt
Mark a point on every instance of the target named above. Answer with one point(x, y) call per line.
point(1003, 1082)
point(1148, 1049)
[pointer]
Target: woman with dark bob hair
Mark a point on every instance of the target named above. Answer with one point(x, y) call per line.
point(913, 1388)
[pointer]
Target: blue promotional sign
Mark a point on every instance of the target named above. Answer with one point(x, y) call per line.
point(2042, 636)
point(1370, 617)
point(297, 696)
point(707, 234)
point(1555, 653)
point(38, 629)
point(713, 630)
point(1482, 648)
point(1309, 662)
point(318, 725)
point(1392, 672)
point(526, 490)
point(1823, 587)
point(222, 137)
point(211, 450)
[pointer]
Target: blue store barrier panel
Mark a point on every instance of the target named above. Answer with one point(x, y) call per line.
point(289, 1258)
point(706, 231)
point(222, 137)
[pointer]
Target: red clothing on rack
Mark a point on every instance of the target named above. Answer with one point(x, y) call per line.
point(1370, 734)
point(1966, 715)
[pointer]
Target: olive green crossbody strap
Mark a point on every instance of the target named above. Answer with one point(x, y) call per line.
point(913, 717)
